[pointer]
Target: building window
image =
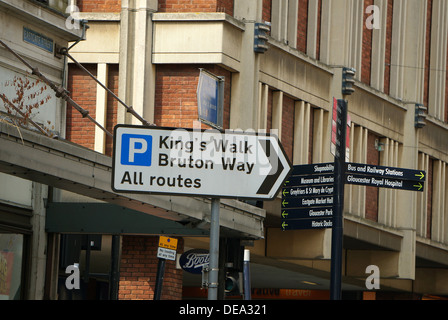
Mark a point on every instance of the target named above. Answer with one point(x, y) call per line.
point(58, 5)
point(11, 266)
point(15, 231)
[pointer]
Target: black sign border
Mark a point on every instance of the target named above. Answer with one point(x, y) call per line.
point(261, 134)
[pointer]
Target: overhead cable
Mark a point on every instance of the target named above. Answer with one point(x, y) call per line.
point(60, 91)
point(130, 109)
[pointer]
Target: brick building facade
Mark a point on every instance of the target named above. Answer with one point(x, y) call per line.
point(139, 268)
point(150, 53)
point(297, 105)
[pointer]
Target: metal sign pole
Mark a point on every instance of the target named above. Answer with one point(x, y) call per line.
point(246, 275)
point(115, 268)
point(338, 212)
point(214, 251)
point(159, 279)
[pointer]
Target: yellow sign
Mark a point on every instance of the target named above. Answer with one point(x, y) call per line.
point(168, 243)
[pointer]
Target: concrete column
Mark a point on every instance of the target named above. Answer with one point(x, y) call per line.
point(321, 137)
point(311, 40)
point(244, 113)
point(378, 51)
point(354, 36)
point(335, 31)
point(277, 112)
point(292, 12)
point(408, 49)
point(407, 201)
point(355, 196)
point(263, 105)
point(101, 108)
point(38, 243)
point(284, 21)
point(387, 198)
point(422, 199)
point(317, 135)
point(136, 68)
point(439, 216)
point(438, 61)
point(301, 132)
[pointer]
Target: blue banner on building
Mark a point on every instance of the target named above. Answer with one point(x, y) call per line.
point(210, 95)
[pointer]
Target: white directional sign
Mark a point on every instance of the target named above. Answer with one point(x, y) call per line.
point(210, 96)
point(214, 163)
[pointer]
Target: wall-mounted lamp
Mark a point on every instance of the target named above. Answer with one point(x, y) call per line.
point(379, 146)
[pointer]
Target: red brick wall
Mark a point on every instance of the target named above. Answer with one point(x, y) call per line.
point(112, 105)
point(138, 270)
point(302, 25)
point(310, 142)
point(83, 91)
point(373, 158)
point(269, 112)
point(267, 8)
point(319, 27)
point(288, 111)
point(176, 100)
point(99, 5)
point(390, 11)
point(196, 6)
point(287, 137)
point(366, 62)
point(225, 6)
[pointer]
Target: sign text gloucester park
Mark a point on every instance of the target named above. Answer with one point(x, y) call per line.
point(228, 164)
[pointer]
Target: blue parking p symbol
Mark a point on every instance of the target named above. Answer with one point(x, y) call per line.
point(136, 150)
